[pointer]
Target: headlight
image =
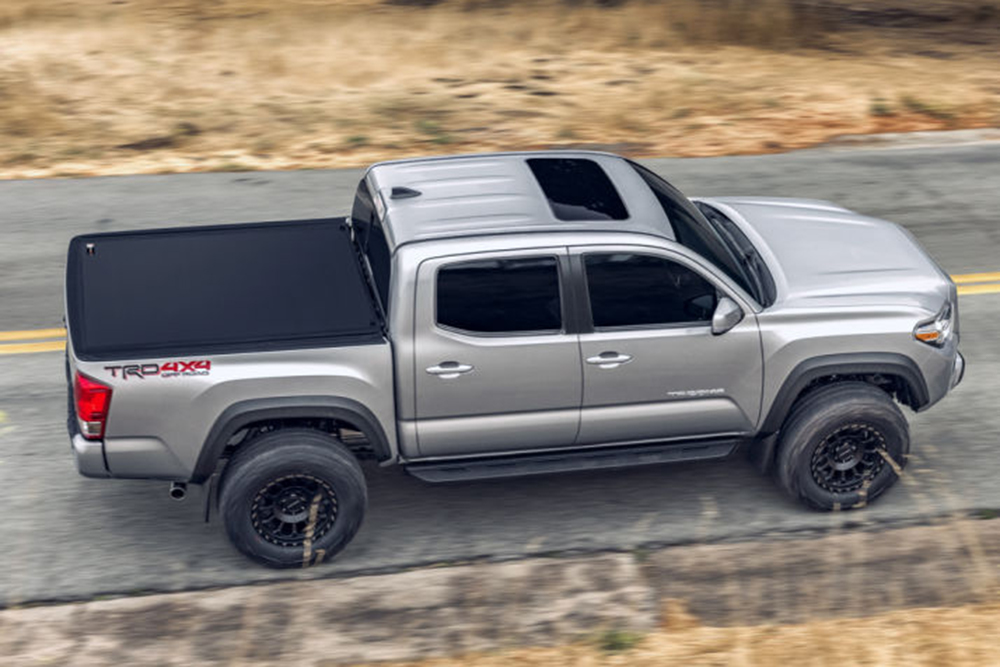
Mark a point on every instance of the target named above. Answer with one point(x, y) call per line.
point(936, 332)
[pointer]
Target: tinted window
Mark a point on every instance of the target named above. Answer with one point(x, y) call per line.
point(636, 290)
point(379, 259)
point(363, 210)
point(371, 239)
point(500, 296)
point(577, 189)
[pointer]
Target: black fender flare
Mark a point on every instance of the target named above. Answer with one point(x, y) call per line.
point(238, 415)
point(863, 363)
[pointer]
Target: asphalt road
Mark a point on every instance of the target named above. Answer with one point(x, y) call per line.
point(66, 537)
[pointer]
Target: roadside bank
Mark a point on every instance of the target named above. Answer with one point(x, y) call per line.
point(624, 600)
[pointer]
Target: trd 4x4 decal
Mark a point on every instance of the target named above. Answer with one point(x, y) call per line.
point(166, 370)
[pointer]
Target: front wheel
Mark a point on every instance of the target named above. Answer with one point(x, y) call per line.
point(842, 447)
point(292, 498)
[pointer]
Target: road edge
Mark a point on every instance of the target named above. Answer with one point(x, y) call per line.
point(922, 139)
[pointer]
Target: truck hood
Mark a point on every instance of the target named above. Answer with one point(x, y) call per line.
point(825, 255)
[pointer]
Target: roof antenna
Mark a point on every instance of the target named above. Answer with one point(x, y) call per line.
point(404, 193)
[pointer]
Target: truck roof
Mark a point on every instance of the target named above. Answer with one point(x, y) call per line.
point(498, 193)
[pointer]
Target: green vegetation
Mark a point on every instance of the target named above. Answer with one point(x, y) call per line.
point(433, 131)
point(617, 640)
point(880, 108)
point(918, 106)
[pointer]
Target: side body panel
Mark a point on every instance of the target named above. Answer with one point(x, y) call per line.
point(872, 335)
point(158, 424)
point(522, 392)
point(680, 380)
point(530, 409)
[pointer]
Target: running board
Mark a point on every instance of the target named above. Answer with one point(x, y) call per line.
point(579, 460)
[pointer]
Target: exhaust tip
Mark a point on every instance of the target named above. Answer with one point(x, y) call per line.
point(178, 490)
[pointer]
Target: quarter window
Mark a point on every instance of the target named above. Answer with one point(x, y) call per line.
point(628, 290)
point(500, 296)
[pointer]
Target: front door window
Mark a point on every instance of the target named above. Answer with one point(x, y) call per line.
point(633, 290)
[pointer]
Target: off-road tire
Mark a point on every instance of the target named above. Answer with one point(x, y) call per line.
point(848, 413)
point(313, 477)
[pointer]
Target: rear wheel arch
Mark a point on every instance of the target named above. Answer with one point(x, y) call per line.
point(288, 412)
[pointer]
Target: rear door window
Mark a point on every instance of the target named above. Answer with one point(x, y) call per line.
point(500, 296)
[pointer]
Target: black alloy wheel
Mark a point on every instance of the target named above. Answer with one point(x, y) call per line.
point(294, 508)
point(849, 458)
point(292, 497)
point(842, 446)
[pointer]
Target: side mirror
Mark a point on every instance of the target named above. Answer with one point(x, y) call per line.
point(727, 315)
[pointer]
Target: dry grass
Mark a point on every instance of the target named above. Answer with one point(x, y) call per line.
point(91, 86)
point(966, 636)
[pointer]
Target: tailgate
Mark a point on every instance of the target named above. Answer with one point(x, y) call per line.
point(230, 288)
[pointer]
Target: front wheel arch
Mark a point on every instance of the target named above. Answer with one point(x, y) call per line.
point(833, 366)
point(827, 370)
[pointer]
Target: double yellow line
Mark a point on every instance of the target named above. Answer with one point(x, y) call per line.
point(39, 340)
point(978, 283)
point(52, 340)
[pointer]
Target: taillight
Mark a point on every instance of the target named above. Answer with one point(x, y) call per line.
point(92, 402)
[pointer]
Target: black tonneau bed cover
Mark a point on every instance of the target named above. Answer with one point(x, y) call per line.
point(224, 288)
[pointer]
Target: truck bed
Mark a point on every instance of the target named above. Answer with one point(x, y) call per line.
point(218, 289)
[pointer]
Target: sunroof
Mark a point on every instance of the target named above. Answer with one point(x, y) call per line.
point(578, 189)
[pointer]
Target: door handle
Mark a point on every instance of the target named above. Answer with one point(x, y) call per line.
point(608, 360)
point(449, 370)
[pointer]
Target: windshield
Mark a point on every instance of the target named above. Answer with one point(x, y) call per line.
point(763, 283)
point(694, 232)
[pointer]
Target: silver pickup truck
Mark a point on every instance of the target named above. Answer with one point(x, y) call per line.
point(497, 315)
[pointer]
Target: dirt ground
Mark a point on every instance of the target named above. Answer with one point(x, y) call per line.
point(925, 596)
point(131, 86)
point(966, 636)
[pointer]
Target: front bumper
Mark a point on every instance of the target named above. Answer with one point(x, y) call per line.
point(89, 456)
point(958, 371)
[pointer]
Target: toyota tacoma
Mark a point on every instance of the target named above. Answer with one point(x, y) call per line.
point(496, 315)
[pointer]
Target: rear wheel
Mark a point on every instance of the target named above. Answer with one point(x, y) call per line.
point(292, 498)
point(842, 447)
